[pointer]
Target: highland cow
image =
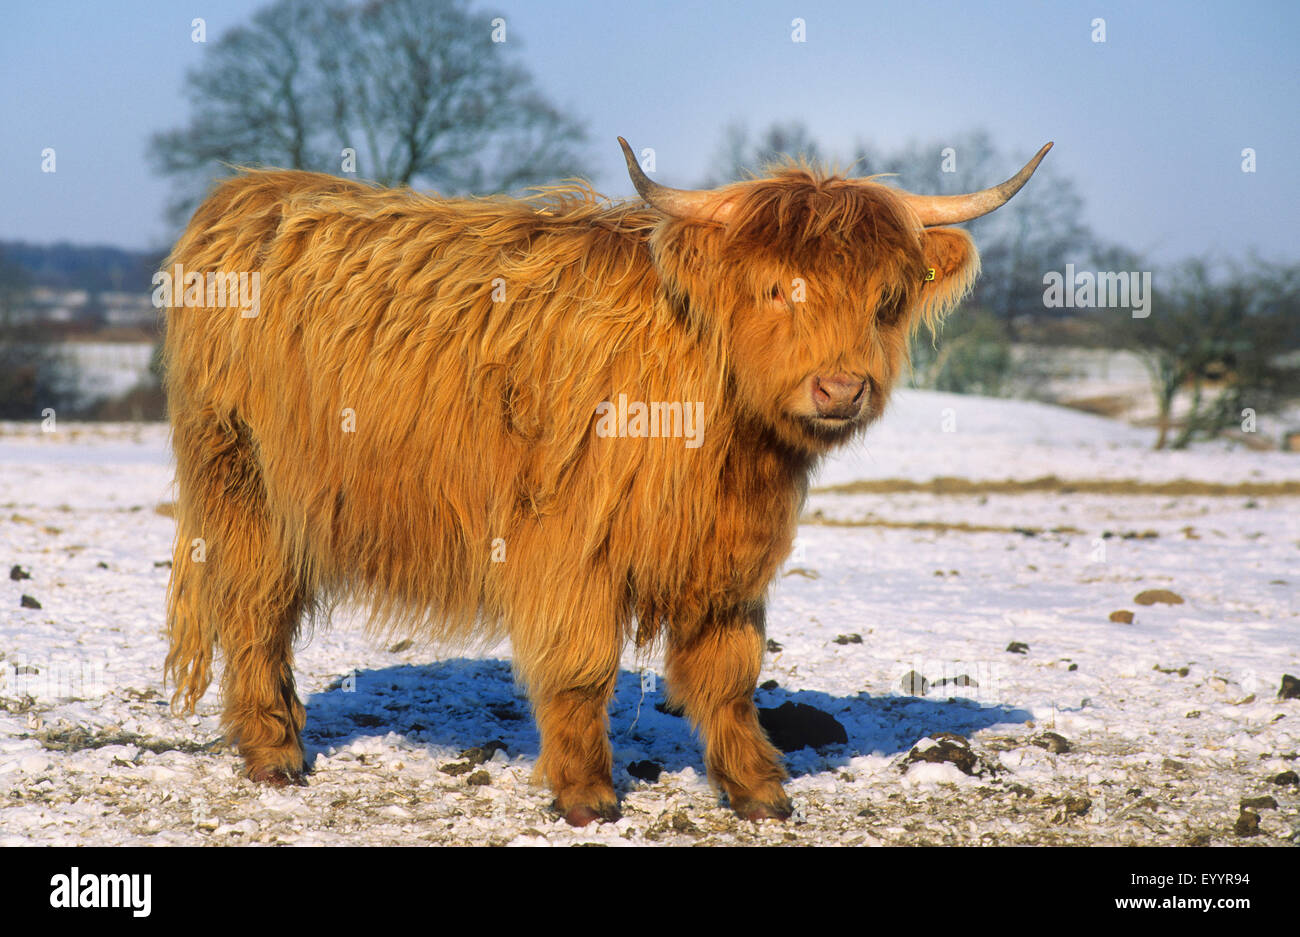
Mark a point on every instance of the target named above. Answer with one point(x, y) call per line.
point(410, 419)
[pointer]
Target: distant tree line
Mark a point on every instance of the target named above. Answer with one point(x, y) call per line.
point(33, 373)
point(74, 267)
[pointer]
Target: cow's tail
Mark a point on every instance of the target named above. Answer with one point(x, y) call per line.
point(191, 633)
point(189, 655)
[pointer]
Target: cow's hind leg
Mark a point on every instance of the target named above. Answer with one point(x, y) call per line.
point(234, 586)
point(571, 679)
point(712, 672)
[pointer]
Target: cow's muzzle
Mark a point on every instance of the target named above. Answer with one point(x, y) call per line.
point(837, 397)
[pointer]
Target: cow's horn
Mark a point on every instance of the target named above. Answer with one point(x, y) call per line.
point(952, 209)
point(679, 203)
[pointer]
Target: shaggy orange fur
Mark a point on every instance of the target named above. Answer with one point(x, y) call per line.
point(420, 387)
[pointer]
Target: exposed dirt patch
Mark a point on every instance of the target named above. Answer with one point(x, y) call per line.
point(77, 739)
point(820, 519)
point(946, 485)
point(1161, 596)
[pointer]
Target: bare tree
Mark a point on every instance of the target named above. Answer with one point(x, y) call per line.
point(417, 89)
point(1227, 341)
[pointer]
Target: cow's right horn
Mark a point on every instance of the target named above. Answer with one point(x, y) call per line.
point(679, 203)
point(934, 210)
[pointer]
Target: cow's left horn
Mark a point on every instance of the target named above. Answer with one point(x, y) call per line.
point(952, 209)
point(679, 203)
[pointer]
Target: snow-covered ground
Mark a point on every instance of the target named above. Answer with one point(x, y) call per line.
point(1167, 723)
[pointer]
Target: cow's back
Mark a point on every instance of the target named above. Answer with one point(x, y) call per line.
point(418, 383)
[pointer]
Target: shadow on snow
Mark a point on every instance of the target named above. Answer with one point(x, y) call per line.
point(463, 702)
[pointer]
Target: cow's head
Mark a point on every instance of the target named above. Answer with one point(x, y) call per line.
point(811, 285)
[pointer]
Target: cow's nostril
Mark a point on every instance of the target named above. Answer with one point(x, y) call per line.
point(837, 396)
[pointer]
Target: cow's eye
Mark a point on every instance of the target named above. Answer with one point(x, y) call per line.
point(889, 313)
point(775, 293)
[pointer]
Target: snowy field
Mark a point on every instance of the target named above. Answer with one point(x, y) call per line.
point(896, 616)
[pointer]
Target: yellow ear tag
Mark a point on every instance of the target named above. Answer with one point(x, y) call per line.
point(929, 275)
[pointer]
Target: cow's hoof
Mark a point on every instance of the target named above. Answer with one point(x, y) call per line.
point(756, 810)
point(582, 815)
point(276, 777)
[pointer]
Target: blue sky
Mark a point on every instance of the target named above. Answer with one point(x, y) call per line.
point(1149, 124)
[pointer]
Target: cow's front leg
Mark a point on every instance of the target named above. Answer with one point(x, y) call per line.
point(576, 759)
point(712, 672)
point(570, 671)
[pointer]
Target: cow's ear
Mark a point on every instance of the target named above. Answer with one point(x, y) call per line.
point(952, 264)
